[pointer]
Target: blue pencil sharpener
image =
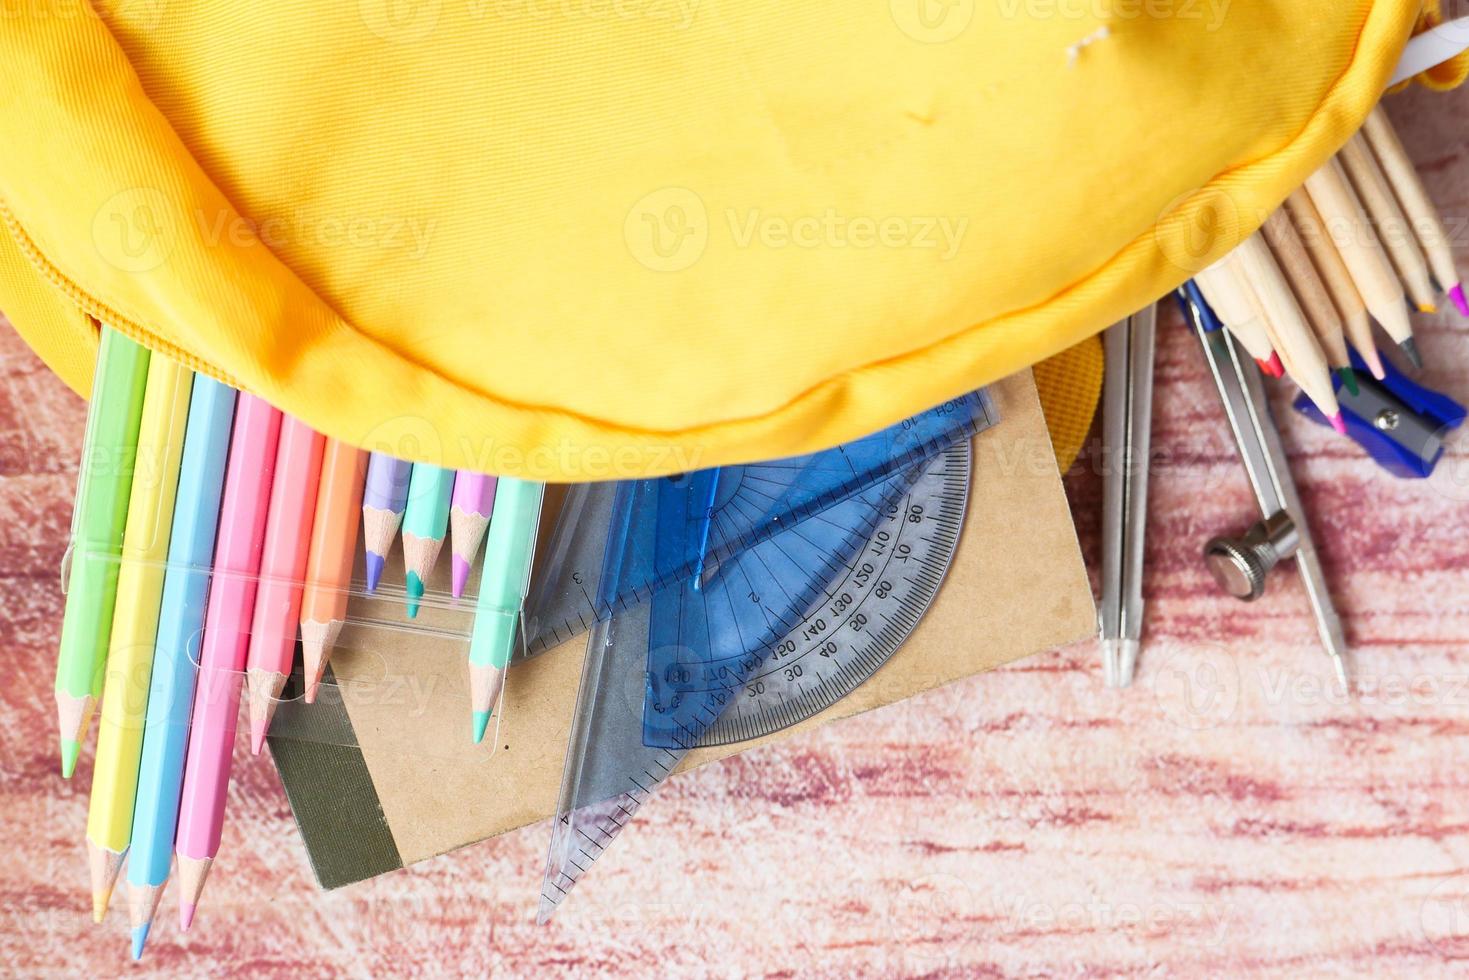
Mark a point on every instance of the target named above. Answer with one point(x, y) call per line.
point(1400, 423)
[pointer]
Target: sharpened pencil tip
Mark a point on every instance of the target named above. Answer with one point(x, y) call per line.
point(1272, 366)
point(1339, 423)
point(1427, 308)
point(99, 906)
point(374, 570)
point(1409, 348)
point(186, 916)
point(1456, 293)
point(414, 587)
point(1349, 381)
point(70, 750)
point(257, 735)
point(481, 725)
point(461, 575)
point(140, 939)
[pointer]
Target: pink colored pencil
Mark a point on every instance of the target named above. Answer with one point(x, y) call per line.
point(238, 547)
point(282, 572)
point(469, 516)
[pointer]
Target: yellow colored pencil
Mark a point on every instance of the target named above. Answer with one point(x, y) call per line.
point(135, 622)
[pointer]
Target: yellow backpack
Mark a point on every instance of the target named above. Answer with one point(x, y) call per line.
point(580, 239)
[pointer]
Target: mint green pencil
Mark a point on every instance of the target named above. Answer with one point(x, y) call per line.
point(510, 548)
point(98, 518)
point(425, 523)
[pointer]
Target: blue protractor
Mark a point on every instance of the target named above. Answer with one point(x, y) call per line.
point(751, 503)
point(756, 642)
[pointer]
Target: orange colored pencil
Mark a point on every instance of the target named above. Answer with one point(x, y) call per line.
point(333, 547)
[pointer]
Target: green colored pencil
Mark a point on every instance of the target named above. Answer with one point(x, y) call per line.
point(510, 548)
point(425, 523)
point(98, 518)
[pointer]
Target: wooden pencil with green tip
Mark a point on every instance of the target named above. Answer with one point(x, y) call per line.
point(108, 456)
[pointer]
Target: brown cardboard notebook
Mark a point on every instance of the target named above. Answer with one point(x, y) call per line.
point(1016, 586)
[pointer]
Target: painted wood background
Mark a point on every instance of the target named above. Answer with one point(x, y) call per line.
point(1232, 813)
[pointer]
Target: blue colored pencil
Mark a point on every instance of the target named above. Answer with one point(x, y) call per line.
point(384, 497)
point(176, 651)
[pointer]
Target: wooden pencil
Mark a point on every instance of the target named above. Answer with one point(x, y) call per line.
point(1413, 196)
point(176, 651)
point(1288, 328)
point(1311, 295)
point(329, 565)
point(384, 496)
point(135, 623)
point(469, 517)
point(238, 547)
point(425, 523)
point(1393, 229)
point(282, 572)
point(1233, 306)
point(103, 485)
point(1333, 271)
point(510, 549)
point(1350, 231)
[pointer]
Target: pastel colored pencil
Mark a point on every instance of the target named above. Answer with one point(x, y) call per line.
point(469, 517)
point(425, 523)
point(135, 623)
point(1232, 304)
point(98, 519)
point(1311, 294)
point(384, 496)
point(237, 557)
point(176, 650)
point(1393, 229)
point(510, 547)
point(282, 572)
point(329, 564)
point(1328, 262)
point(1413, 196)
point(1288, 328)
point(1361, 252)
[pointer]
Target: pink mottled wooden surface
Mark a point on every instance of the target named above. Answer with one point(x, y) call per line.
point(1229, 814)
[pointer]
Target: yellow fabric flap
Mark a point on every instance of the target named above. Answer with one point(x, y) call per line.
point(580, 240)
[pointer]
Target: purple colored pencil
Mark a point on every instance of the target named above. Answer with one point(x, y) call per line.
point(469, 517)
point(384, 495)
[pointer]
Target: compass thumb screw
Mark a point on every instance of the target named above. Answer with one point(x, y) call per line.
point(1241, 564)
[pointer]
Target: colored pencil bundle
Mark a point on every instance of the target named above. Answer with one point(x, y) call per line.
point(1358, 242)
point(210, 533)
